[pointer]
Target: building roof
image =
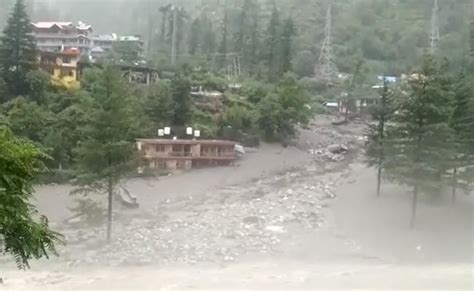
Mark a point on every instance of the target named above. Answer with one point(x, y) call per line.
point(97, 49)
point(51, 24)
point(188, 142)
point(115, 37)
point(129, 38)
point(61, 25)
point(72, 52)
point(105, 37)
point(332, 104)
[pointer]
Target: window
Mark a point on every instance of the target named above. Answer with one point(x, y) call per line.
point(178, 148)
point(187, 149)
point(159, 148)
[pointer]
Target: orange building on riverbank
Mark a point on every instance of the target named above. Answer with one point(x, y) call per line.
point(173, 155)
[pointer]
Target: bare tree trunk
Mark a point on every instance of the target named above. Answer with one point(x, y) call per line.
point(455, 178)
point(109, 210)
point(413, 205)
point(379, 180)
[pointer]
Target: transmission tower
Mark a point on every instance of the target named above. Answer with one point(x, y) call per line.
point(434, 27)
point(326, 69)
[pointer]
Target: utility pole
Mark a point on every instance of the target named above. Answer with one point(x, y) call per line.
point(150, 26)
point(434, 27)
point(174, 33)
point(326, 69)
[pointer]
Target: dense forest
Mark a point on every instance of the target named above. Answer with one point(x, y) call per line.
point(389, 35)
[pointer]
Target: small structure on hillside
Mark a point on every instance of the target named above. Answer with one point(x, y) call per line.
point(135, 73)
point(181, 154)
point(209, 101)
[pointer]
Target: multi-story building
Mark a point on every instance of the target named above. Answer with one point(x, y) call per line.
point(173, 155)
point(62, 67)
point(103, 44)
point(60, 36)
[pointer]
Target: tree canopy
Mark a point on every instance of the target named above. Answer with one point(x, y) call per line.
point(18, 55)
point(24, 233)
point(104, 156)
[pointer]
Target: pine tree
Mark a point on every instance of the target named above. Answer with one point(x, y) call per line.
point(180, 90)
point(462, 123)
point(288, 33)
point(251, 57)
point(208, 37)
point(21, 234)
point(471, 31)
point(195, 37)
point(246, 39)
point(223, 45)
point(105, 156)
point(272, 44)
point(176, 29)
point(419, 141)
point(18, 55)
point(164, 10)
point(242, 28)
point(381, 113)
point(159, 106)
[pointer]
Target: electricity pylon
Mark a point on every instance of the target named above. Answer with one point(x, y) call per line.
point(434, 38)
point(326, 70)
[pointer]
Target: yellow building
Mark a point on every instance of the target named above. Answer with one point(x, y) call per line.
point(62, 67)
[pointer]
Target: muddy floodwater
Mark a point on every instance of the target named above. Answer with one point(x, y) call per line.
point(296, 217)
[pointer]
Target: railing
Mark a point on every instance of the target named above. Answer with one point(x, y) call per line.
point(164, 155)
point(180, 154)
point(217, 155)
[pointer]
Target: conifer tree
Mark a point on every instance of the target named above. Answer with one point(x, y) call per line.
point(105, 156)
point(18, 55)
point(272, 44)
point(286, 49)
point(420, 140)
point(381, 112)
point(462, 123)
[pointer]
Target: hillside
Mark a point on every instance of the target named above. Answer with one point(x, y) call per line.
point(389, 35)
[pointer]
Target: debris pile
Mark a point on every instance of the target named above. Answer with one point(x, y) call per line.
point(332, 146)
point(250, 219)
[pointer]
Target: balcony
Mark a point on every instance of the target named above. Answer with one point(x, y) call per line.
point(168, 155)
point(180, 154)
point(217, 156)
